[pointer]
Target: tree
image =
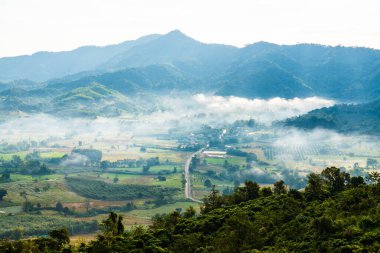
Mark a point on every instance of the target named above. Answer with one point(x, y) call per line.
point(373, 177)
point(161, 178)
point(335, 179)
point(59, 206)
point(24, 194)
point(314, 188)
point(5, 177)
point(195, 162)
point(190, 212)
point(113, 225)
point(266, 192)
point(105, 165)
point(3, 193)
point(357, 181)
point(87, 205)
point(145, 169)
point(207, 183)
point(44, 170)
point(279, 187)
point(16, 161)
point(211, 202)
point(116, 179)
point(252, 190)
point(60, 235)
point(66, 210)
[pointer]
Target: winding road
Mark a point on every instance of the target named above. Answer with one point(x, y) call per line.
point(188, 194)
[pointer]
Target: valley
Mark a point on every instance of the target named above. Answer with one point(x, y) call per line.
point(84, 169)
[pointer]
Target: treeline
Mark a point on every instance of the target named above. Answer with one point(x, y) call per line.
point(32, 164)
point(132, 163)
point(24, 225)
point(97, 189)
point(6, 147)
point(356, 118)
point(337, 212)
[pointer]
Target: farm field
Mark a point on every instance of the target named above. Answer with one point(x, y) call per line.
point(139, 176)
point(89, 201)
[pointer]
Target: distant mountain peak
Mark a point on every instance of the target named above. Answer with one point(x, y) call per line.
point(177, 34)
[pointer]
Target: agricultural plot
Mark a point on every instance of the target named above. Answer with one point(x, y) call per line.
point(298, 153)
point(230, 159)
point(97, 189)
point(45, 192)
point(17, 226)
point(148, 213)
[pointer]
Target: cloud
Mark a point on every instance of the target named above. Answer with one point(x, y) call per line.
point(262, 110)
point(296, 137)
point(74, 160)
point(180, 112)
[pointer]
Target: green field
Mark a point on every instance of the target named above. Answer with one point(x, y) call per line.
point(97, 189)
point(148, 213)
point(231, 160)
point(16, 226)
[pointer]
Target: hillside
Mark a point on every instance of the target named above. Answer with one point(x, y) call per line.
point(336, 213)
point(152, 78)
point(346, 118)
point(91, 99)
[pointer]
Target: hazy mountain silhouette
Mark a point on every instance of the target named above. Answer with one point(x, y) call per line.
point(174, 61)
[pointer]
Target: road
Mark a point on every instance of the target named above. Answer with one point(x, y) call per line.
point(188, 194)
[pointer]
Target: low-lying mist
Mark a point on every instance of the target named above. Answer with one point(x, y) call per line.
point(173, 112)
point(218, 109)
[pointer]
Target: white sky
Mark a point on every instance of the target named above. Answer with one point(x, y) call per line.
point(27, 26)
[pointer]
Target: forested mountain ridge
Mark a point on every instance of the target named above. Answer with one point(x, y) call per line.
point(336, 213)
point(259, 70)
point(345, 118)
point(42, 66)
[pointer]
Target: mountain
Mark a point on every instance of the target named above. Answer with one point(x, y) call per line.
point(90, 100)
point(159, 64)
point(342, 73)
point(346, 118)
point(177, 49)
point(264, 79)
point(42, 66)
point(153, 78)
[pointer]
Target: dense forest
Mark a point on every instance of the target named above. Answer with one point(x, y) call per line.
point(344, 118)
point(334, 213)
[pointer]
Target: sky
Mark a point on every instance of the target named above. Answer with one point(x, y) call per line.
point(27, 26)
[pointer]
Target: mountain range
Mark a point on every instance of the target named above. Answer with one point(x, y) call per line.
point(162, 64)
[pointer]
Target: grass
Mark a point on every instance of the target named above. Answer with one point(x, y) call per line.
point(52, 154)
point(56, 191)
point(8, 156)
point(172, 180)
point(148, 213)
point(231, 160)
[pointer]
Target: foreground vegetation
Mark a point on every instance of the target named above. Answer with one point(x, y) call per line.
point(335, 213)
